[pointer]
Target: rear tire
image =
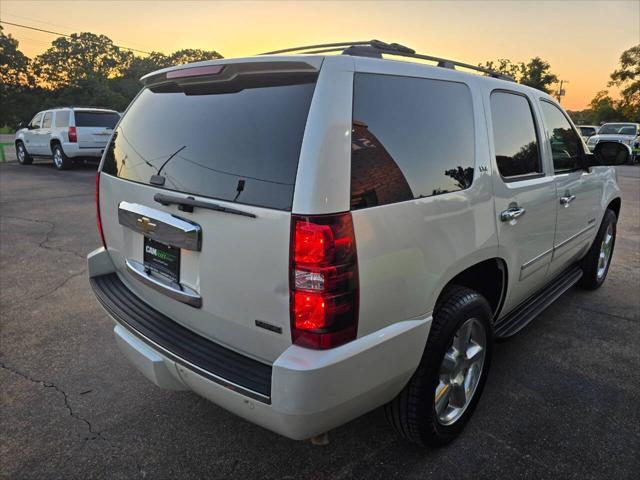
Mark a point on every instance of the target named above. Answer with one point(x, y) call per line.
point(596, 263)
point(427, 411)
point(23, 156)
point(60, 160)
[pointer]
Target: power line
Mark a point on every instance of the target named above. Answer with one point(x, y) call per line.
point(65, 35)
point(66, 27)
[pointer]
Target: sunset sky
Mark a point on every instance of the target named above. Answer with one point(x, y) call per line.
point(582, 40)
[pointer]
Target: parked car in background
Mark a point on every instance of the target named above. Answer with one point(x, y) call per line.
point(303, 238)
point(587, 131)
point(617, 140)
point(66, 135)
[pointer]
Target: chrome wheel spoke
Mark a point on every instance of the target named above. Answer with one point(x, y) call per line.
point(474, 352)
point(442, 398)
point(458, 396)
point(449, 364)
point(462, 338)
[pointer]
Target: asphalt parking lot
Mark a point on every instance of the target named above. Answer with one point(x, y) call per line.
point(562, 399)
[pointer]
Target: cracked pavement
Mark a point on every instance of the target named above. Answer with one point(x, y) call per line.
point(561, 401)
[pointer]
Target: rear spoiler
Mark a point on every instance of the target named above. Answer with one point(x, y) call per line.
point(230, 77)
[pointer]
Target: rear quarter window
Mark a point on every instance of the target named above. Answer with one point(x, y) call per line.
point(411, 138)
point(62, 118)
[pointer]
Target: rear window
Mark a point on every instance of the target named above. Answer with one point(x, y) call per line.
point(587, 131)
point(411, 138)
point(242, 146)
point(96, 119)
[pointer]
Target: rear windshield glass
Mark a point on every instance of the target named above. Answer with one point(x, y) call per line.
point(617, 129)
point(96, 119)
point(242, 146)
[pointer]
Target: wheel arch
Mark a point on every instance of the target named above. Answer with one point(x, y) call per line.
point(615, 205)
point(53, 142)
point(488, 277)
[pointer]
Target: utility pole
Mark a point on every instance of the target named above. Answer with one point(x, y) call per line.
point(560, 93)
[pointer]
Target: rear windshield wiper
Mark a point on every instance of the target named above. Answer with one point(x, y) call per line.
point(187, 204)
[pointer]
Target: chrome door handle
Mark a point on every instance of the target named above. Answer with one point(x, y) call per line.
point(567, 199)
point(511, 214)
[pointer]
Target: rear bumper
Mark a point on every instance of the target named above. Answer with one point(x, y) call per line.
point(310, 391)
point(73, 150)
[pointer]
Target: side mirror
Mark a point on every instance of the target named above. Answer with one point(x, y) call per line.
point(607, 155)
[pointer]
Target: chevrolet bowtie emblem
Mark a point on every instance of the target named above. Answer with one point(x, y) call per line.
point(145, 225)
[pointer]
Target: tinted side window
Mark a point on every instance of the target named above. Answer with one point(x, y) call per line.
point(514, 134)
point(565, 143)
point(411, 138)
point(62, 118)
point(46, 121)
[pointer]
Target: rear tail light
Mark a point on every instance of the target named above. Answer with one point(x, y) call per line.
point(73, 135)
point(323, 281)
point(100, 231)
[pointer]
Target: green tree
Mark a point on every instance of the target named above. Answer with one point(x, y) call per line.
point(627, 78)
point(14, 65)
point(536, 73)
point(505, 66)
point(81, 69)
point(189, 55)
point(605, 109)
point(16, 80)
point(80, 57)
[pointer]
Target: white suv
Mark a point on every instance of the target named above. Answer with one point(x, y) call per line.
point(303, 238)
point(65, 135)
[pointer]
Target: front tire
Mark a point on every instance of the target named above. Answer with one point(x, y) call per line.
point(596, 263)
point(439, 400)
point(60, 160)
point(23, 156)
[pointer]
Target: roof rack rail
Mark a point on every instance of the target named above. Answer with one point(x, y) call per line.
point(377, 48)
point(78, 106)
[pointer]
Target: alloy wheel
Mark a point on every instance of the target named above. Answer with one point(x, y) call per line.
point(57, 158)
point(605, 252)
point(460, 371)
